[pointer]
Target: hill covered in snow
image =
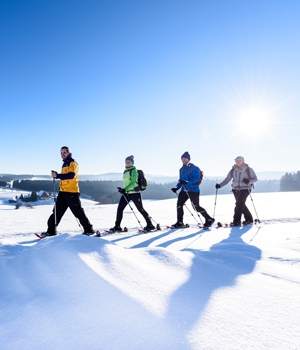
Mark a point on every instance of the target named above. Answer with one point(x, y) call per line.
point(224, 288)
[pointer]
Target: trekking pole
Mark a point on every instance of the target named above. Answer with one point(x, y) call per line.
point(78, 222)
point(257, 220)
point(191, 212)
point(215, 203)
point(55, 217)
point(132, 210)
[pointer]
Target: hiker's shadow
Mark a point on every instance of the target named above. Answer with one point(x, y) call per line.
point(165, 244)
point(211, 270)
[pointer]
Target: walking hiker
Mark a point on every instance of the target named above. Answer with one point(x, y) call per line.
point(131, 192)
point(68, 196)
point(189, 181)
point(243, 179)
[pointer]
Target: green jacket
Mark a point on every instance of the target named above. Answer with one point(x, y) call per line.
point(130, 179)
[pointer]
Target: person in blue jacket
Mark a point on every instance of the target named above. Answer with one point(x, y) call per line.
point(189, 181)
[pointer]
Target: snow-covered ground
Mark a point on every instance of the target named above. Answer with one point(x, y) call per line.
point(227, 288)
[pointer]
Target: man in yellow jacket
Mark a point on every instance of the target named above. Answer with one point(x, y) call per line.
point(68, 196)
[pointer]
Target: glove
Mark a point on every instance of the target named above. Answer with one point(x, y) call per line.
point(174, 189)
point(121, 190)
point(246, 181)
point(54, 174)
point(183, 182)
point(217, 186)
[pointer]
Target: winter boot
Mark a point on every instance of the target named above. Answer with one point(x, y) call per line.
point(235, 223)
point(247, 222)
point(178, 225)
point(149, 227)
point(208, 222)
point(88, 230)
point(115, 229)
point(48, 233)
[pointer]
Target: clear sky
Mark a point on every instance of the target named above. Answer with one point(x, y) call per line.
point(152, 78)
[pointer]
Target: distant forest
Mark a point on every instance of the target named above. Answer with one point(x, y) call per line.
point(105, 192)
point(290, 182)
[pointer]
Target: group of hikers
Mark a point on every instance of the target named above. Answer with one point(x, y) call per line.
point(243, 177)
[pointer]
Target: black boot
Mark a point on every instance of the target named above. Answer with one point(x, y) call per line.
point(89, 230)
point(208, 222)
point(235, 223)
point(115, 229)
point(178, 225)
point(149, 227)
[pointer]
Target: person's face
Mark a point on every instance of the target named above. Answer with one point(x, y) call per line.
point(184, 160)
point(64, 153)
point(128, 164)
point(239, 162)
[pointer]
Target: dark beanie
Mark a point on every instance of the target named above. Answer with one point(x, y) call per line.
point(186, 155)
point(130, 159)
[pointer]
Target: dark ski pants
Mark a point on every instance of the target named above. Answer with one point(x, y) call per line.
point(137, 200)
point(240, 206)
point(64, 201)
point(194, 196)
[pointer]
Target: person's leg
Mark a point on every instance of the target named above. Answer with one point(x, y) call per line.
point(240, 197)
point(122, 205)
point(182, 198)
point(195, 200)
point(60, 208)
point(74, 203)
point(246, 212)
point(137, 200)
point(195, 196)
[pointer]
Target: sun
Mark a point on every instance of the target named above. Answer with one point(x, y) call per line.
point(253, 120)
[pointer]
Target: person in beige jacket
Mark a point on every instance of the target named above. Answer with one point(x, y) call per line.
point(243, 177)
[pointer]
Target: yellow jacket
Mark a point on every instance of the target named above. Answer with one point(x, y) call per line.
point(69, 176)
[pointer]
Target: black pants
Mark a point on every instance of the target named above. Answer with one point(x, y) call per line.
point(64, 201)
point(182, 198)
point(137, 200)
point(240, 206)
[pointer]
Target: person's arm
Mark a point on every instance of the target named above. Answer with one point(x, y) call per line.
point(227, 178)
point(72, 171)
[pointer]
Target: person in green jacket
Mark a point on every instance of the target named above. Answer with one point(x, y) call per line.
point(131, 192)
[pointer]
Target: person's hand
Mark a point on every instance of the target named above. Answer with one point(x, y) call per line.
point(121, 190)
point(183, 182)
point(54, 174)
point(246, 181)
point(174, 189)
point(217, 186)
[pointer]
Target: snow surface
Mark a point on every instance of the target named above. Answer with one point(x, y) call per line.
point(227, 288)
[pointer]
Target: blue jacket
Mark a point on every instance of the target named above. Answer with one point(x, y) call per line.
point(190, 173)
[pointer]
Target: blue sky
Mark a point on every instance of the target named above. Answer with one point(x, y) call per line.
point(149, 78)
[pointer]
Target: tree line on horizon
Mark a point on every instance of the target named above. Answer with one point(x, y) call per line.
point(290, 182)
point(105, 191)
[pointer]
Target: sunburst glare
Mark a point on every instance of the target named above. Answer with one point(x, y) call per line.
point(253, 120)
